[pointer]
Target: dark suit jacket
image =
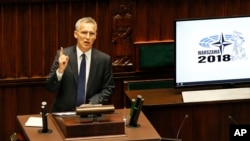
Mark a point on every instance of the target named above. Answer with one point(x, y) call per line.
point(100, 85)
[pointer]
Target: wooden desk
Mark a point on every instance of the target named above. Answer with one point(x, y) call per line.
point(145, 132)
point(206, 120)
point(157, 97)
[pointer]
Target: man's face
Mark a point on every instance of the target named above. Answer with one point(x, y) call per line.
point(85, 35)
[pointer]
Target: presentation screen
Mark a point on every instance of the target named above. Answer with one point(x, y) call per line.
point(212, 51)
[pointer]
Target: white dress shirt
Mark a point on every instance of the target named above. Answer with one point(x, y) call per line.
point(79, 59)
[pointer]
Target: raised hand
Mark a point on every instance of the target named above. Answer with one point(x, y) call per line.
point(63, 61)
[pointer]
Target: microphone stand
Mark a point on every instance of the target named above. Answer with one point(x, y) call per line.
point(234, 121)
point(44, 119)
point(179, 130)
point(177, 136)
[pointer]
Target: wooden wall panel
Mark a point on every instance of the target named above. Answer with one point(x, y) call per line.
point(244, 8)
point(23, 100)
point(167, 19)
point(103, 41)
point(9, 111)
point(22, 40)
point(207, 8)
point(141, 23)
point(1, 115)
point(219, 9)
point(233, 8)
point(180, 8)
point(153, 21)
point(36, 45)
point(194, 8)
point(8, 53)
point(64, 20)
point(1, 38)
point(50, 36)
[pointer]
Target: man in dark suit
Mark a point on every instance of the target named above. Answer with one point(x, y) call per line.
point(64, 73)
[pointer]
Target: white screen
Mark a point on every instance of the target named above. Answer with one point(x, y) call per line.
point(212, 51)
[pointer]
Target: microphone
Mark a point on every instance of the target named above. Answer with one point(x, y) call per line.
point(44, 119)
point(234, 121)
point(179, 130)
point(136, 111)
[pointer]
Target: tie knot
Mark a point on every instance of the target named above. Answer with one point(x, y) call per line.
point(83, 55)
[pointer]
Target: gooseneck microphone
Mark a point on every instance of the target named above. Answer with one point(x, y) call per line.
point(179, 130)
point(232, 119)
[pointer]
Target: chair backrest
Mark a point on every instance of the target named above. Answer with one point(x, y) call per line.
point(154, 56)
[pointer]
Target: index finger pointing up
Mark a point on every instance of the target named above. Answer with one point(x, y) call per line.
point(61, 51)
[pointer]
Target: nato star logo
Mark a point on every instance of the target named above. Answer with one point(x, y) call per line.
point(222, 43)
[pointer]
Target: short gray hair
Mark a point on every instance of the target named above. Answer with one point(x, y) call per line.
point(85, 20)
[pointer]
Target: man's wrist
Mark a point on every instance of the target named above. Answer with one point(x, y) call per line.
point(59, 74)
point(60, 70)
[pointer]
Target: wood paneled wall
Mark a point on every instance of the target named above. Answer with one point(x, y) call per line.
point(32, 30)
point(155, 18)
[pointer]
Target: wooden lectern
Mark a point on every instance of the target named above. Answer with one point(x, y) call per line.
point(76, 126)
point(144, 132)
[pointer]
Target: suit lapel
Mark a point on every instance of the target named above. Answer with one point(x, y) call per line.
point(73, 62)
point(93, 68)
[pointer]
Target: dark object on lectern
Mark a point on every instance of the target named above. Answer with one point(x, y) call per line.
point(94, 109)
point(76, 126)
point(136, 112)
point(44, 119)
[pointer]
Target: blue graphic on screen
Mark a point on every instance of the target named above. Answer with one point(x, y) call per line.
point(222, 41)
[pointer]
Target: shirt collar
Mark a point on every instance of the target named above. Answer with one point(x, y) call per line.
point(79, 53)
